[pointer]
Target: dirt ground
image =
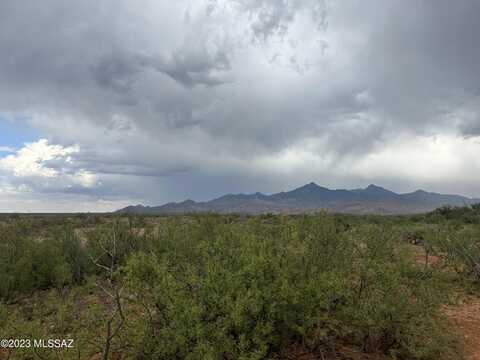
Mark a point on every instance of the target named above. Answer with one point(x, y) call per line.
point(465, 317)
point(341, 353)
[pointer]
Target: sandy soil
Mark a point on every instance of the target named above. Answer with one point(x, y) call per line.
point(465, 317)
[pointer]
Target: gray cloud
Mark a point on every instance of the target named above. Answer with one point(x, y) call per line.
point(202, 92)
point(120, 71)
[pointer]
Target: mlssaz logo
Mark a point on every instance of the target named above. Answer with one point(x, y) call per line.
point(53, 343)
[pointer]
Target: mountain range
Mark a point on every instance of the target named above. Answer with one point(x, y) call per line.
point(312, 197)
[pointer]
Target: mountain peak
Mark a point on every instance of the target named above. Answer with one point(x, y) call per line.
point(188, 202)
point(312, 197)
point(372, 188)
point(420, 191)
point(311, 187)
point(375, 191)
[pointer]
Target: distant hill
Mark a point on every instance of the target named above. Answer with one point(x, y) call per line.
point(312, 197)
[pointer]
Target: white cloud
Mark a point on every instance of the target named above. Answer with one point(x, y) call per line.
point(30, 161)
point(44, 203)
point(44, 166)
point(86, 178)
point(6, 149)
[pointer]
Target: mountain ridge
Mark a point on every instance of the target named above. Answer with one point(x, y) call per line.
point(312, 197)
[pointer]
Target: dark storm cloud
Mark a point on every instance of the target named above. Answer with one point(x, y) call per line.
point(119, 71)
point(207, 88)
point(425, 55)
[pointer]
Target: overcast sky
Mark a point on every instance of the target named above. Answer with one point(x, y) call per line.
point(104, 103)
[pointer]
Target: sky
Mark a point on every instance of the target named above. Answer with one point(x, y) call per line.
point(106, 103)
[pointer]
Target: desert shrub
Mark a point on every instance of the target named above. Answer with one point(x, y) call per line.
point(461, 249)
point(211, 290)
point(455, 214)
point(239, 287)
point(109, 246)
point(29, 262)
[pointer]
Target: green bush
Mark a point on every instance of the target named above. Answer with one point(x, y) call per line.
point(30, 262)
point(245, 291)
point(461, 249)
point(235, 287)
